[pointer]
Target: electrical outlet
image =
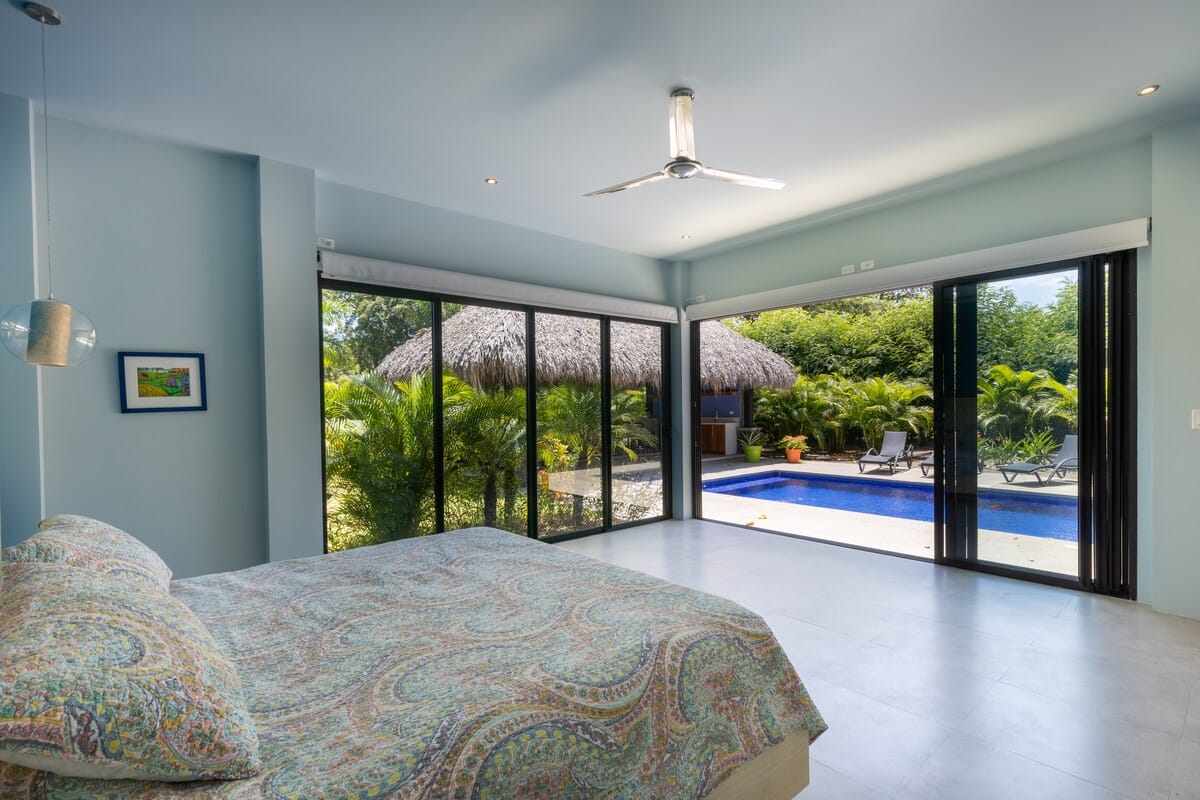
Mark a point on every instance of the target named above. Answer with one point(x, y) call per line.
point(324, 243)
point(867, 264)
point(1196, 419)
point(849, 268)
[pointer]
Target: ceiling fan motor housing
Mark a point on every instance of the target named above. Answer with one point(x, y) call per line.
point(682, 168)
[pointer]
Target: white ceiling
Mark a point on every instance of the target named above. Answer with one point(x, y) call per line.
point(423, 99)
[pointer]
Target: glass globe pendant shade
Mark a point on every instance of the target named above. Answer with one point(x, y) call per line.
point(48, 333)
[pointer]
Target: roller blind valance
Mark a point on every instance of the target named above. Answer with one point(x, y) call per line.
point(1088, 242)
point(460, 284)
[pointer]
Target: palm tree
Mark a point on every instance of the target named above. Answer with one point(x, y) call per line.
point(878, 404)
point(489, 437)
point(1061, 402)
point(379, 449)
point(569, 427)
point(1011, 401)
point(629, 423)
point(804, 409)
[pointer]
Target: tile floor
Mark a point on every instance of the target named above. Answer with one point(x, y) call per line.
point(944, 683)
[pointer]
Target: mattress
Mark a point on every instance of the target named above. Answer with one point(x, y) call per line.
point(481, 664)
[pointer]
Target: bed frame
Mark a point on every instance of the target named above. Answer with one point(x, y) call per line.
point(777, 773)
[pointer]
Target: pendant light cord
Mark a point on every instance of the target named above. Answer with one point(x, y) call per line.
point(46, 159)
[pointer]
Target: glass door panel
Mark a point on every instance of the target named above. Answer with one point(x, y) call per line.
point(1011, 438)
point(379, 456)
point(483, 413)
point(569, 424)
point(635, 370)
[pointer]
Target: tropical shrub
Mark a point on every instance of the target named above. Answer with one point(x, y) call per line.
point(570, 435)
point(379, 451)
point(1012, 402)
point(999, 450)
point(487, 438)
point(806, 408)
point(875, 405)
point(1038, 446)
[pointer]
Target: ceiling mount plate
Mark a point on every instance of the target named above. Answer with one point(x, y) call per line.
point(43, 14)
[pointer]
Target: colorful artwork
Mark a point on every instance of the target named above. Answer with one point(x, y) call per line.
point(159, 382)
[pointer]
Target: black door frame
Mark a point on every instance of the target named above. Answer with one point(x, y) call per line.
point(1107, 424)
point(1108, 345)
point(437, 300)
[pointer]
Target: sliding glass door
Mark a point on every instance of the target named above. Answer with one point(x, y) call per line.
point(442, 413)
point(570, 424)
point(640, 448)
point(1033, 432)
point(484, 423)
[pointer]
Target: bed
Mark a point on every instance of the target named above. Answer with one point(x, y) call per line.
point(481, 664)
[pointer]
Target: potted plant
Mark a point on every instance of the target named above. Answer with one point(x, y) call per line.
point(794, 447)
point(751, 442)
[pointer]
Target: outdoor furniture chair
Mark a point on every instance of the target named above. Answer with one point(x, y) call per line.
point(1066, 458)
point(895, 448)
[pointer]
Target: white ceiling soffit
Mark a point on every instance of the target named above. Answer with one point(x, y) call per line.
point(377, 272)
point(1048, 249)
point(844, 101)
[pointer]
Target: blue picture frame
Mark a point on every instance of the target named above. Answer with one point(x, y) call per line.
point(158, 382)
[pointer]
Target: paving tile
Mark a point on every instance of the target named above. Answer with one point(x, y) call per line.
point(826, 783)
point(1077, 740)
point(945, 683)
point(967, 767)
point(875, 744)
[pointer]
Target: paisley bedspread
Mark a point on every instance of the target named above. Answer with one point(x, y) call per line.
point(480, 664)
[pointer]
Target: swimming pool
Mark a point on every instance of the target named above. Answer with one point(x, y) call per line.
point(1047, 517)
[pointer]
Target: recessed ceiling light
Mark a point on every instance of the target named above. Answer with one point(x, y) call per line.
point(491, 181)
point(1149, 88)
point(685, 236)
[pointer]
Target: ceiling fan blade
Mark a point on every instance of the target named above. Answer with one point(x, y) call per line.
point(683, 139)
point(740, 179)
point(653, 177)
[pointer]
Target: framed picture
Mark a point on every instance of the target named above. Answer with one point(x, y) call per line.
point(161, 382)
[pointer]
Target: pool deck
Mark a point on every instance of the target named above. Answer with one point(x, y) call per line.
point(909, 537)
point(891, 534)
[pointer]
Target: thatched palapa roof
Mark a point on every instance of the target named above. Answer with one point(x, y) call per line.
point(486, 347)
point(729, 359)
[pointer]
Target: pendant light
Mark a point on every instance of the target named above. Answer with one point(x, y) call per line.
point(47, 332)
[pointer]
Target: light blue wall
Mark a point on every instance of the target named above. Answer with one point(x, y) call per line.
point(377, 226)
point(1110, 185)
point(291, 365)
point(1174, 330)
point(158, 244)
point(20, 453)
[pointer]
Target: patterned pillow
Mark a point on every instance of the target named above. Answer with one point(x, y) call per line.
point(91, 544)
point(101, 678)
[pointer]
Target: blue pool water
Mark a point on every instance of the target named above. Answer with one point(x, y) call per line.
point(1050, 516)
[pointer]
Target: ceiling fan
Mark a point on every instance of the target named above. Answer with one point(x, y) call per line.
point(683, 163)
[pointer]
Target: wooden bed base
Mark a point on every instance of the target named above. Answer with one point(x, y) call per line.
point(777, 773)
